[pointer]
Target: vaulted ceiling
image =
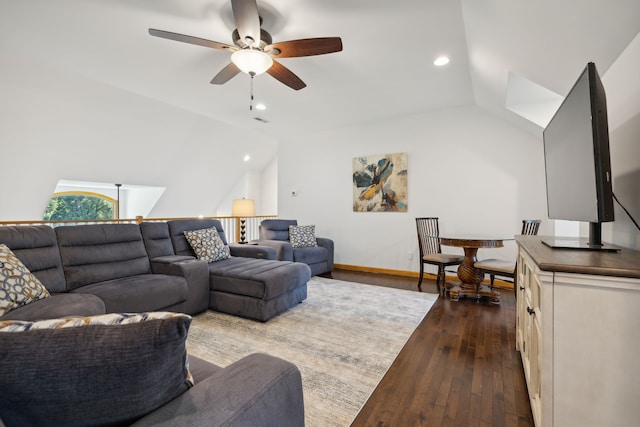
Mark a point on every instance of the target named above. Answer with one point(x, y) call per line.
point(385, 70)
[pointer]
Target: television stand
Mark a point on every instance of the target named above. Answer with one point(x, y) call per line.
point(578, 334)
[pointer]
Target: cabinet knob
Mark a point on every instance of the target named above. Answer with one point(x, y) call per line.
point(522, 288)
point(530, 310)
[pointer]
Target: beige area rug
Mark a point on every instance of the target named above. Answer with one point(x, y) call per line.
point(343, 338)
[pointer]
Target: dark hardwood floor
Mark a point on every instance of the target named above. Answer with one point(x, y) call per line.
point(459, 368)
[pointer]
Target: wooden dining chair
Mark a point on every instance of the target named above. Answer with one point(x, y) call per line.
point(506, 268)
point(431, 252)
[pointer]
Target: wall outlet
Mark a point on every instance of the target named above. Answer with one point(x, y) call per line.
point(410, 256)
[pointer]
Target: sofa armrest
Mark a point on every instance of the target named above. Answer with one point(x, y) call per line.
point(283, 249)
point(252, 251)
point(327, 243)
point(258, 390)
point(195, 272)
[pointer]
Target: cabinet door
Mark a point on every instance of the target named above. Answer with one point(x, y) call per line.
point(529, 331)
point(525, 325)
point(527, 336)
point(535, 364)
point(524, 274)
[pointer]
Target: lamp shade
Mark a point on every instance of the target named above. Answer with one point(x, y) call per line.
point(252, 61)
point(242, 208)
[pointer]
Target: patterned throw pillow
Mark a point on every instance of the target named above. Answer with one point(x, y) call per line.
point(18, 286)
point(108, 369)
point(302, 236)
point(207, 244)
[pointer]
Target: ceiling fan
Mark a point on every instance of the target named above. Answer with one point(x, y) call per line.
point(253, 51)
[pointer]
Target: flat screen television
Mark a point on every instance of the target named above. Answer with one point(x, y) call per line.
point(577, 163)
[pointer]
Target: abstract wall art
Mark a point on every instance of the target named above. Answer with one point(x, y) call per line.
point(380, 183)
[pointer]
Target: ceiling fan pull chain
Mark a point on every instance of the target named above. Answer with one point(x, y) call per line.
point(251, 91)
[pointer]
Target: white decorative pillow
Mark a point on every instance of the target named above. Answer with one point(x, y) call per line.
point(302, 236)
point(207, 244)
point(18, 286)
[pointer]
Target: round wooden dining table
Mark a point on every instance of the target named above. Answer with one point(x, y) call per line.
point(470, 277)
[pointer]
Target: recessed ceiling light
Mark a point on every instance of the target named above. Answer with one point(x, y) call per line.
point(261, 107)
point(440, 61)
point(247, 158)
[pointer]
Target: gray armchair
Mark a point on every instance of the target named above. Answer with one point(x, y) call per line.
point(275, 233)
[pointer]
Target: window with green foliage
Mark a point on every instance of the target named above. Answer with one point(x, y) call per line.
point(80, 206)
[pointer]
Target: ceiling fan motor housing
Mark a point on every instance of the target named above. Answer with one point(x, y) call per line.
point(265, 40)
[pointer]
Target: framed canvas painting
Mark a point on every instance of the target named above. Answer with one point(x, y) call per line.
point(380, 183)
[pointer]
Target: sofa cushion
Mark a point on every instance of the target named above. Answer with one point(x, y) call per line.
point(58, 305)
point(156, 239)
point(258, 390)
point(100, 252)
point(177, 228)
point(258, 278)
point(207, 244)
point(311, 255)
point(302, 236)
point(145, 292)
point(276, 229)
point(18, 286)
point(37, 247)
point(102, 370)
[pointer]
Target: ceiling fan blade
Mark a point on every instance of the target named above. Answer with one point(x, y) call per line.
point(305, 47)
point(286, 76)
point(190, 39)
point(226, 74)
point(245, 13)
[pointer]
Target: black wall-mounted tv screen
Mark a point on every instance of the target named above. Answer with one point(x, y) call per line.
point(576, 155)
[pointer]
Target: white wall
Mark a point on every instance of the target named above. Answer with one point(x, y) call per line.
point(625, 165)
point(478, 174)
point(270, 189)
point(248, 187)
point(56, 125)
point(623, 106)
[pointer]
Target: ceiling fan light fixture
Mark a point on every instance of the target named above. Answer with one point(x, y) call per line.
point(252, 61)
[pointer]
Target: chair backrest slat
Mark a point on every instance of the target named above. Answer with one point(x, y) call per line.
point(428, 236)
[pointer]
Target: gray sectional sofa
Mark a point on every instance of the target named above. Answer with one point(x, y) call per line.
point(109, 268)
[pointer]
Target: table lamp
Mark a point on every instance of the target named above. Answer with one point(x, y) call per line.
point(243, 208)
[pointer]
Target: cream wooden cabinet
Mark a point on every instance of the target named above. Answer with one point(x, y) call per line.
point(529, 333)
point(578, 332)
